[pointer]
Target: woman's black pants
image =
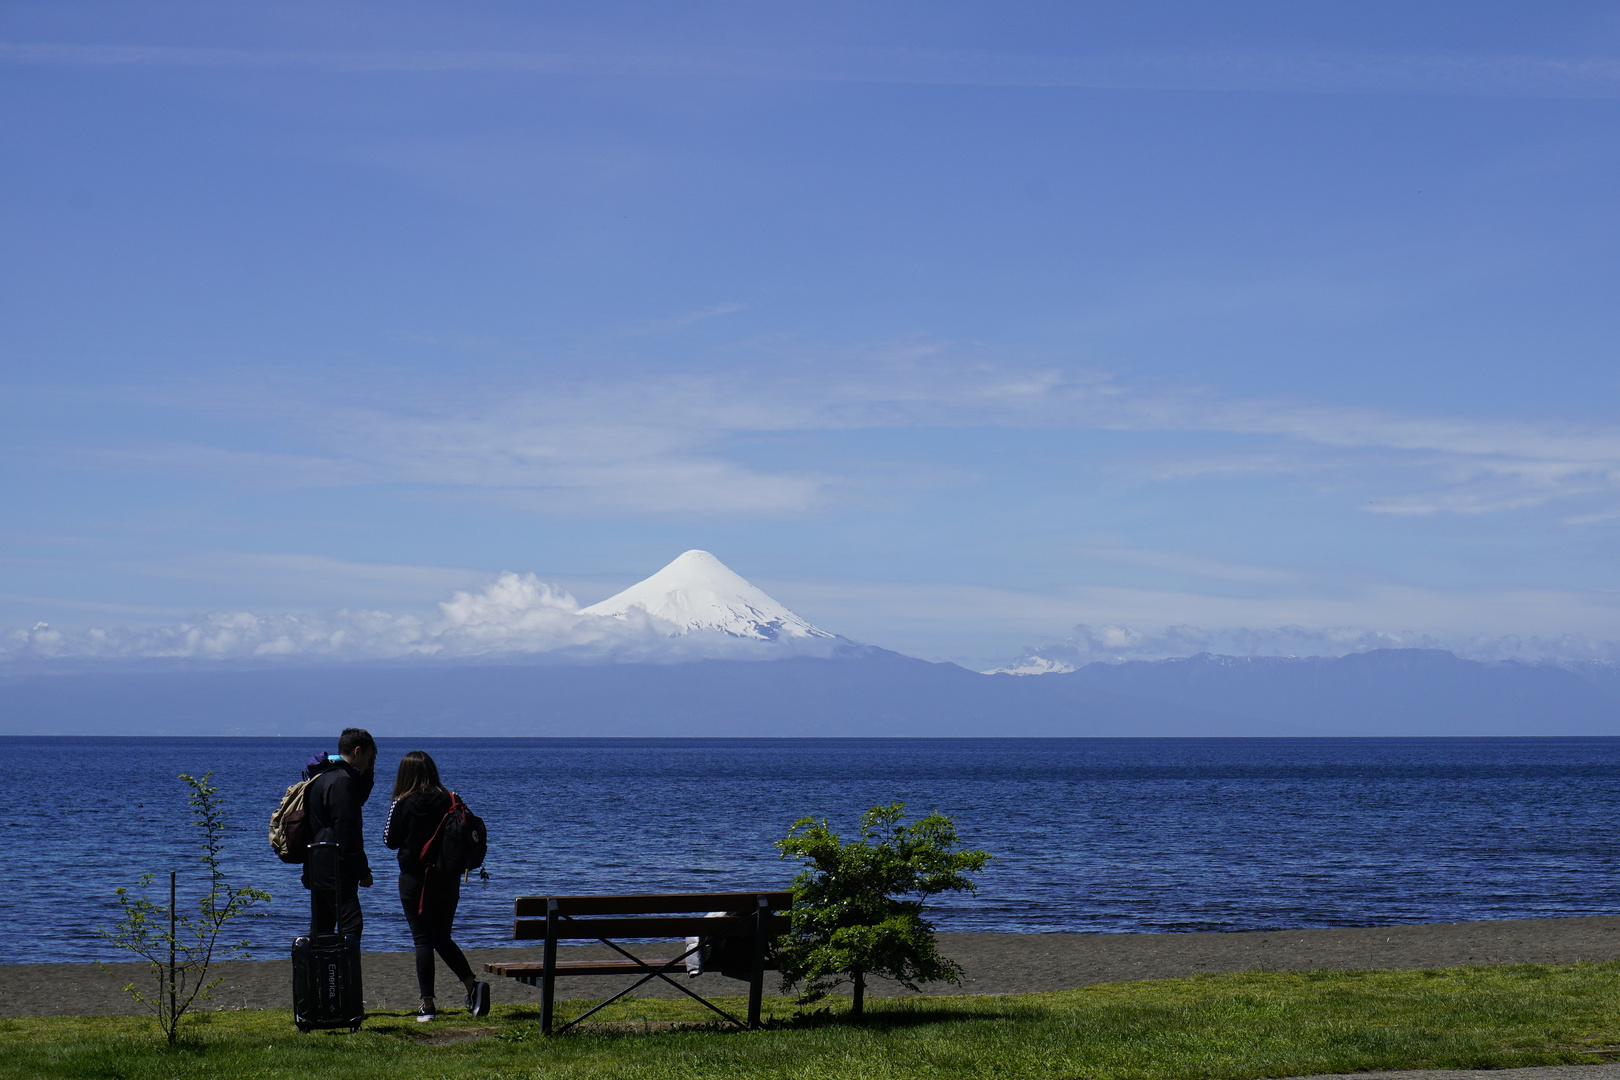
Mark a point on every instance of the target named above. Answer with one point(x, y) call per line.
point(430, 908)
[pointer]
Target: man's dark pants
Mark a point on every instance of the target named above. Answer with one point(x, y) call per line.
point(341, 910)
point(334, 894)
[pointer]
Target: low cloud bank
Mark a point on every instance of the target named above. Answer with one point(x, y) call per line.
point(1112, 644)
point(518, 616)
point(515, 616)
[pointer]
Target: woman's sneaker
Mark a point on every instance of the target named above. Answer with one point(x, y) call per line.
point(426, 1013)
point(478, 999)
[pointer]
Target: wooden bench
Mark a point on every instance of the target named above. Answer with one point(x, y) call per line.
point(760, 918)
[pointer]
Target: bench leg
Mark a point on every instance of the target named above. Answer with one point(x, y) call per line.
point(756, 979)
point(548, 972)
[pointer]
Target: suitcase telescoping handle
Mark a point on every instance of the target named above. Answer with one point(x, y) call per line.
point(331, 852)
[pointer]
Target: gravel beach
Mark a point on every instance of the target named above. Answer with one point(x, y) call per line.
point(995, 964)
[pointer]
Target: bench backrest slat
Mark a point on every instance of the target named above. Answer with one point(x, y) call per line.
point(650, 903)
point(679, 926)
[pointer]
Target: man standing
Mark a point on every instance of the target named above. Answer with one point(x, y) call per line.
point(342, 784)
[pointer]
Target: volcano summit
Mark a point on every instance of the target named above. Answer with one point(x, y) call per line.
point(699, 592)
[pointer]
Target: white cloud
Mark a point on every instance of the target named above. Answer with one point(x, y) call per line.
point(664, 326)
point(103, 607)
point(1113, 643)
point(1181, 563)
point(660, 443)
point(513, 616)
point(1254, 71)
point(982, 627)
point(643, 440)
point(519, 616)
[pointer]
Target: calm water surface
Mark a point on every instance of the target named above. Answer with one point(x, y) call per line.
point(1088, 834)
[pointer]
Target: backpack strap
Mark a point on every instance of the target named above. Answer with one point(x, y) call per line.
point(427, 867)
point(454, 801)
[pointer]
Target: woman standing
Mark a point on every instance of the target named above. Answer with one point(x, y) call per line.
point(429, 897)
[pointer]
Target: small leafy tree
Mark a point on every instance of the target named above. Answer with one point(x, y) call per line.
point(857, 905)
point(180, 947)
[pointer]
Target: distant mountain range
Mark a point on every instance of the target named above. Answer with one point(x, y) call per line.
point(1384, 691)
point(822, 685)
point(860, 692)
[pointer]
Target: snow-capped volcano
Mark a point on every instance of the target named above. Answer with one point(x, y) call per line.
point(699, 592)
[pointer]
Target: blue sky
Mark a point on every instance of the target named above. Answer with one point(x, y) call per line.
point(952, 326)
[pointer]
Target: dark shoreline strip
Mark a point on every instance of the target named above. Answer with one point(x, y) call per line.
point(995, 963)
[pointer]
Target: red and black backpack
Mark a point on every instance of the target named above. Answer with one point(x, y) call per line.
point(460, 842)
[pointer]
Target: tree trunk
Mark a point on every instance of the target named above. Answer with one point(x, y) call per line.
point(174, 1019)
point(860, 992)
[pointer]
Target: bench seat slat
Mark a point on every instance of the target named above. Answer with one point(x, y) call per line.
point(677, 926)
point(650, 903)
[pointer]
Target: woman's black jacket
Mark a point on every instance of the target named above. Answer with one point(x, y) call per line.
point(411, 824)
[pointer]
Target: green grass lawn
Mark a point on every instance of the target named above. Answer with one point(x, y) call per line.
point(1223, 1027)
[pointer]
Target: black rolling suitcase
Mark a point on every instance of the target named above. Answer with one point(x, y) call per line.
point(326, 967)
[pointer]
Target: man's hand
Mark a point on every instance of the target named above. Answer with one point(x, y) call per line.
point(365, 881)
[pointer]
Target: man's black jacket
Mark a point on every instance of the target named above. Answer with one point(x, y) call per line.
point(333, 803)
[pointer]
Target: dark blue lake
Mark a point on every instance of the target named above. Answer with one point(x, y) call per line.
point(1088, 834)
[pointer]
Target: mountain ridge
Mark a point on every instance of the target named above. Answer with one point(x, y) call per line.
point(1412, 686)
point(863, 691)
